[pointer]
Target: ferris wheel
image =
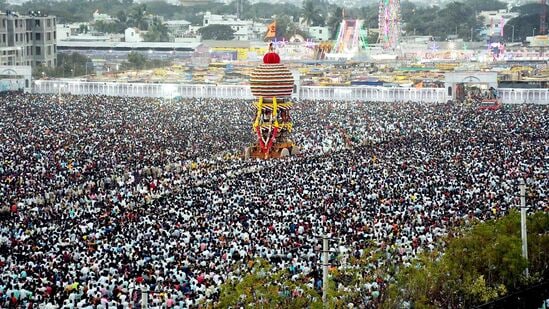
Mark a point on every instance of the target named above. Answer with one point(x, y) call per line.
point(389, 23)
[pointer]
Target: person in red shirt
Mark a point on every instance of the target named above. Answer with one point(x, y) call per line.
point(13, 301)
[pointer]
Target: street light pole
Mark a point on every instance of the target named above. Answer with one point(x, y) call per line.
point(533, 32)
point(523, 232)
point(144, 297)
point(471, 35)
point(325, 251)
point(513, 33)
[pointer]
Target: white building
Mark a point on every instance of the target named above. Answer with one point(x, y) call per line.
point(133, 35)
point(320, 33)
point(495, 20)
point(177, 28)
point(102, 17)
point(194, 2)
point(189, 39)
point(245, 30)
point(66, 31)
point(74, 32)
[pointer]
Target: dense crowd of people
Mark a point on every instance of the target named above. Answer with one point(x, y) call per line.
point(103, 199)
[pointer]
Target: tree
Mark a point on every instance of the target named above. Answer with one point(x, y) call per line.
point(372, 37)
point(195, 20)
point(217, 32)
point(263, 10)
point(158, 32)
point(334, 21)
point(137, 61)
point(83, 28)
point(68, 65)
point(69, 11)
point(529, 9)
point(483, 263)
point(162, 8)
point(479, 266)
point(263, 287)
point(455, 19)
point(122, 16)
point(232, 9)
point(109, 27)
point(486, 5)
point(286, 28)
point(72, 11)
point(370, 16)
point(522, 26)
point(74, 64)
point(137, 17)
point(311, 14)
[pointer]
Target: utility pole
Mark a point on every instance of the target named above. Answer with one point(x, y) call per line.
point(542, 18)
point(523, 233)
point(238, 8)
point(325, 252)
point(144, 298)
point(471, 40)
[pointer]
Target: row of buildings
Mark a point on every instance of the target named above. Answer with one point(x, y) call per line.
point(34, 39)
point(180, 31)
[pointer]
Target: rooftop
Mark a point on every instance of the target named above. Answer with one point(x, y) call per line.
point(177, 22)
point(128, 45)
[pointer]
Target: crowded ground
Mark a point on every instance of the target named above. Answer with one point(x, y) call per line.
point(103, 199)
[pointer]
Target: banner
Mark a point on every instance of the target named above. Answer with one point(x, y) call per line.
point(501, 25)
point(271, 30)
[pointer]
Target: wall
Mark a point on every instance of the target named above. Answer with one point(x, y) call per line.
point(376, 94)
point(15, 78)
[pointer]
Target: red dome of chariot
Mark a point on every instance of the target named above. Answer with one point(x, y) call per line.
point(271, 58)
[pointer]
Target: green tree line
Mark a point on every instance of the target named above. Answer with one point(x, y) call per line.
point(70, 11)
point(75, 65)
point(480, 263)
point(138, 61)
point(526, 24)
point(68, 65)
